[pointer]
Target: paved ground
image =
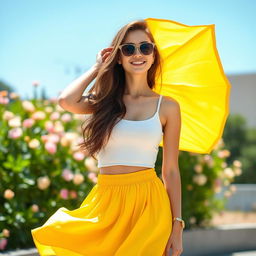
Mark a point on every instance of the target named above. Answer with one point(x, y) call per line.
point(32, 252)
point(249, 253)
point(237, 217)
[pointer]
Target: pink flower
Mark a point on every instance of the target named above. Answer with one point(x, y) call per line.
point(4, 100)
point(55, 115)
point(50, 147)
point(15, 121)
point(38, 115)
point(199, 179)
point(54, 138)
point(49, 126)
point(43, 182)
point(208, 160)
point(34, 208)
point(224, 153)
point(7, 115)
point(34, 143)
point(64, 193)
point(66, 117)
point(79, 156)
point(58, 127)
point(69, 137)
point(237, 171)
point(73, 194)
point(90, 163)
point(228, 173)
point(8, 194)
point(28, 106)
point(14, 95)
point(48, 109)
point(44, 138)
point(15, 133)
point(3, 243)
point(6, 232)
point(78, 178)
point(67, 175)
point(28, 122)
point(198, 168)
point(91, 175)
point(237, 163)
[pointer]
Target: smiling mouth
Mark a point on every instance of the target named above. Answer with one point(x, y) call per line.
point(138, 63)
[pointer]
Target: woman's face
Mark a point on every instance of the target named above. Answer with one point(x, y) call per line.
point(136, 37)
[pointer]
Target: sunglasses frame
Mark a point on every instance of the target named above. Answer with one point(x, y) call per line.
point(136, 47)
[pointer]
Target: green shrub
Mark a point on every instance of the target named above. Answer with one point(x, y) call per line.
point(241, 141)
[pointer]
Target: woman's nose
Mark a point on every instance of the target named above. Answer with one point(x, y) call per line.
point(137, 51)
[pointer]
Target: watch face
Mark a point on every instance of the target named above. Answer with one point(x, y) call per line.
point(182, 222)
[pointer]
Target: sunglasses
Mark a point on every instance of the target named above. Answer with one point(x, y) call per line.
point(130, 49)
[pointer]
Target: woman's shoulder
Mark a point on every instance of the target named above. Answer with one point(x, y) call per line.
point(169, 101)
point(170, 107)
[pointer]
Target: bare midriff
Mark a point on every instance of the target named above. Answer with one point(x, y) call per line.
point(121, 169)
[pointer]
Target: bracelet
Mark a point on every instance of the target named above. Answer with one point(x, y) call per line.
point(180, 220)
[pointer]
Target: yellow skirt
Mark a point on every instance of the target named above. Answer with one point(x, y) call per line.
point(123, 215)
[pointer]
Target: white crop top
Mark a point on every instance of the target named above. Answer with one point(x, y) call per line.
point(133, 142)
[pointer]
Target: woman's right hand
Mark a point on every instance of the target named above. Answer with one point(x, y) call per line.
point(102, 56)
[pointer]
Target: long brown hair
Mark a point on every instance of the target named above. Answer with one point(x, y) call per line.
point(106, 95)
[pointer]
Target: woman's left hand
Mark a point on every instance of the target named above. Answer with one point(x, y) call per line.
point(174, 242)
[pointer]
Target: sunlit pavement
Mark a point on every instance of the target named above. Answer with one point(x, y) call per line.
point(247, 253)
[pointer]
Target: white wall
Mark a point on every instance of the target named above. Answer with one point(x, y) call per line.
point(243, 96)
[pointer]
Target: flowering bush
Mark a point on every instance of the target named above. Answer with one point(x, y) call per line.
point(41, 166)
point(42, 170)
point(203, 176)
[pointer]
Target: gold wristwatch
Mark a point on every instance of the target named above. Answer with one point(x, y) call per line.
point(180, 220)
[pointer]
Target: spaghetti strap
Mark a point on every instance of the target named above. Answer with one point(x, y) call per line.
point(159, 102)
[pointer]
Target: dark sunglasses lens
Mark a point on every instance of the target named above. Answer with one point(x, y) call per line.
point(146, 48)
point(128, 49)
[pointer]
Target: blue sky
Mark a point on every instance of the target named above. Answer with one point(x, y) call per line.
point(54, 41)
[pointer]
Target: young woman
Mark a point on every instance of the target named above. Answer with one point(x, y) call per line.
point(130, 211)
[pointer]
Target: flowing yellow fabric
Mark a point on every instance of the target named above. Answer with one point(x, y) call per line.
point(193, 76)
point(123, 215)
